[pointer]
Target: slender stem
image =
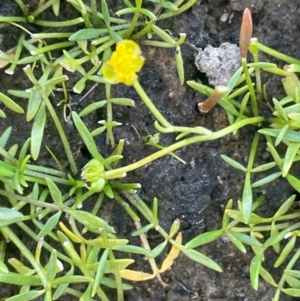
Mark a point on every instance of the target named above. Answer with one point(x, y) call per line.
point(109, 116)
point(133, 23)
point(29, 201)
point(251, 89)
point(126, 207)
point(59, 23)
point(161, 119)
point(180, 144)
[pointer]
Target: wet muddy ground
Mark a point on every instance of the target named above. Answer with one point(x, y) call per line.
point(196, 192)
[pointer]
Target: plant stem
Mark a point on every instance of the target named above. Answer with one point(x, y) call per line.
point(148, 102)
point(180, 144)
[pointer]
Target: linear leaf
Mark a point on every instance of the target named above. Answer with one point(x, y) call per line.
point(132, 249)
point(289, 157)
point(50, 224)
point(233, 163)
point(235, 240)
point(100, 271)
point(26, 296)
point(255, 268)
point(19, 279)
point(285, 252)
point(55, 192)
point(204, 238)
point(37, 131)
point(8, 102)
point(201, 258)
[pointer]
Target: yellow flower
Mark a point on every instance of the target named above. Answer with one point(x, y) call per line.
point(123, 64)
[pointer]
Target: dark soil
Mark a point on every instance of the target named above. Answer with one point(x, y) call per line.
point(196, 192)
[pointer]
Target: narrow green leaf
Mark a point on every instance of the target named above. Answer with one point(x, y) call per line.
point(275, 231)
point(105, 13)
point(9, 216)
point(18, 279)
point(148, 13)
point(162, 34)
point(61, 288)
point(255, 269)
point(289, 157)
point(50, 224)
point(169, 5)
point(233, 163)
point(132, 249)
point(72, 279)
point(122, 101)
point(267, 276)
point(274, 154)
point(155, 210)
point(291, 291)
point(202, 259)
point(236, 242)
point(285, 206)
point(37, 131)
point(293, 273)
point(90, 220)
point(262, 65)
point(279, 109)
point(56, 7)
point(55, 192)
point(174, 228)
point(233, 80)
point(51, 266)
point(278, 237)
point(285, 252)
point(26, 296)
point(292, 136)
point(204, 238)
point(8, 102)
point(179, 64)
point(226, 217)
point(159, 248)
point(100, 271)
point(268, 179)
point(292, 281)
point(86, 136)
point(143, 230)
point(247, 239)
point(34, 103)
point(87, 33)
point(3, 267)
point(237, 215)
point(295, 182)
point(5, 136)
point(127, 10)
point(247, 199)
point(113, 266)
point(281, 134)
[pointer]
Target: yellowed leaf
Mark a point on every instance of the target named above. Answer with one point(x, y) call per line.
point(135, 275)
point(173, 254)
point(69, 233)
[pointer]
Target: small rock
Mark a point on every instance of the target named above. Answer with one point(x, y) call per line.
point(219, 64)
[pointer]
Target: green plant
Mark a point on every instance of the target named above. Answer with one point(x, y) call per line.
point(88, 248)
